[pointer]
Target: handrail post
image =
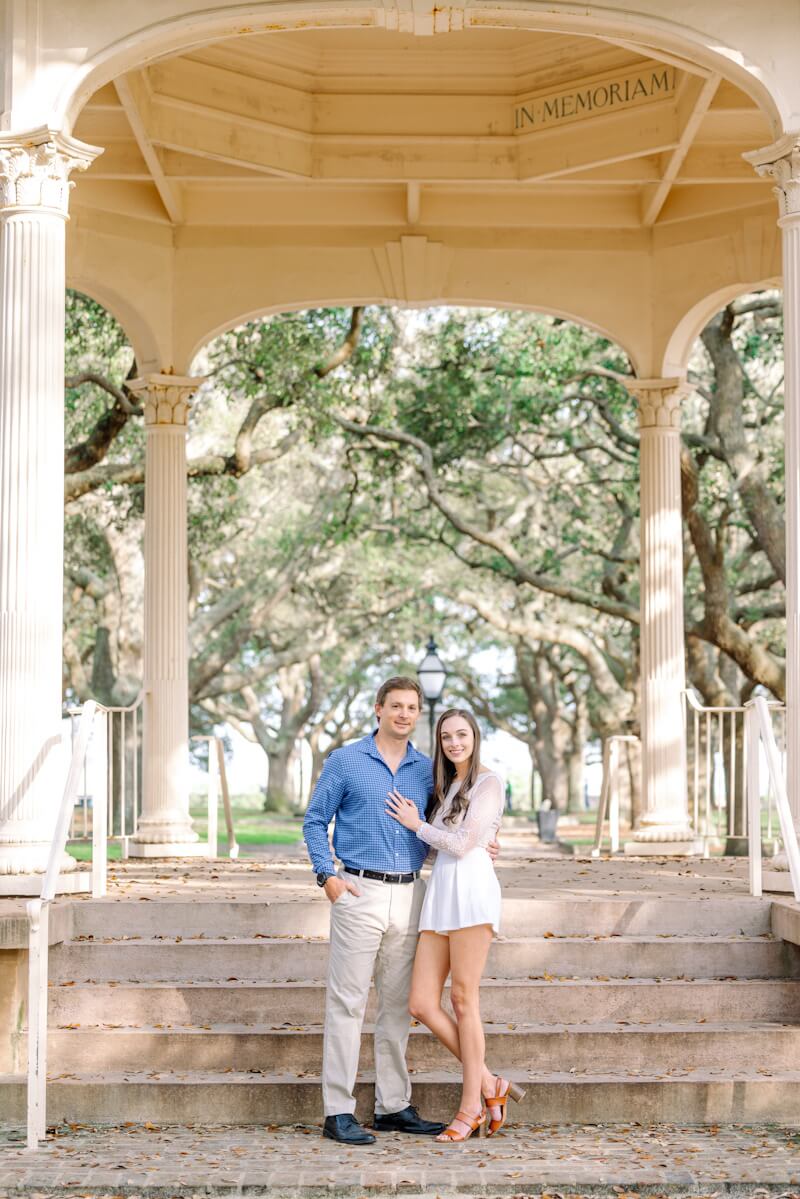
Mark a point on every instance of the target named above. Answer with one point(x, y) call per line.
point(613, 796)
point(100, 844)
point(38, 944)
point(779, 787)
point(233, 845)
point(753, 800)
point(213, 802)
point(602, 801)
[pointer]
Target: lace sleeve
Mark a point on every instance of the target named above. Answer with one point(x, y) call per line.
point(483, 813)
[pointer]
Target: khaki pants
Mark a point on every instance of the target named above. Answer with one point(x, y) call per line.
point(371, 933)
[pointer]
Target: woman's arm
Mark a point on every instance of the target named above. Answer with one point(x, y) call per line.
point(480, 818)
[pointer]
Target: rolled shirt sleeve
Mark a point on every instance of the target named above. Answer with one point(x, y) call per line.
point(328, 795)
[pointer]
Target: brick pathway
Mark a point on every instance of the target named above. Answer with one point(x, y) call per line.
point(560, 1161)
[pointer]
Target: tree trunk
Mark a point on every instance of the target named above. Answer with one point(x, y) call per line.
point(281, 786)
point(575, 780)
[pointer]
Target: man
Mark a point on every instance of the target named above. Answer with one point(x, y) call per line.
point(375, 904)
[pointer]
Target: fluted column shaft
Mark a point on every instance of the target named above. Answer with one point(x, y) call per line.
point(165, 826)
point(34, 190)
point(664, 819)
point(781, 162)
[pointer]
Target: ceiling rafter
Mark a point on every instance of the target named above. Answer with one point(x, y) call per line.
point(693, 105)
point(133, 96)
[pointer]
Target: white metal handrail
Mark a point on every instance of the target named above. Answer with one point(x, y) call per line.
point(119, 721)
point(38, 940)
point(716, 743)
point(215, 777)
point(609, 793)
point(758, 728)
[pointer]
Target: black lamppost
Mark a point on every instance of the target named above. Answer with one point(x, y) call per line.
point(432, 674)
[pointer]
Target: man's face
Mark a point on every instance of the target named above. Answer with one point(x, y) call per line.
point(398, 713)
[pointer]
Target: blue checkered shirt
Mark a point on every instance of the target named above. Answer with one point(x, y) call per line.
point(353, 788)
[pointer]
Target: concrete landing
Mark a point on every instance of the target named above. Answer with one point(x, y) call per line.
point(560, 1161)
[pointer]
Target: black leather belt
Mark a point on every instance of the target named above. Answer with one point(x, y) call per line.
point(383, 878)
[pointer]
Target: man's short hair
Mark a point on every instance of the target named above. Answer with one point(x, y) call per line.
point(399, 683)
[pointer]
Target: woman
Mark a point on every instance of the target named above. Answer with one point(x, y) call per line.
point(460, 914)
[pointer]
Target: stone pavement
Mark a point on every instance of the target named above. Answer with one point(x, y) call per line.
point(619, 1161)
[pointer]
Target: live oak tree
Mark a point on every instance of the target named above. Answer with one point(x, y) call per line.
point(501, 444)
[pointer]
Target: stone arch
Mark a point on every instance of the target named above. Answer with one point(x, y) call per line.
point(136, 328)
point(688, 329)
point(449, 302)
point(181, 30)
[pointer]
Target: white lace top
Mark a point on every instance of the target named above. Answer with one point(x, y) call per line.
point(479, 822)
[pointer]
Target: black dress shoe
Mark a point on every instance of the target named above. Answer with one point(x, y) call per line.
point(408, 1120)
point(346, 1129)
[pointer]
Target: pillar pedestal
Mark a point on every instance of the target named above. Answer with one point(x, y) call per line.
point(165, 826)
point(664, 826)
point(781, 162)
point(34, 192)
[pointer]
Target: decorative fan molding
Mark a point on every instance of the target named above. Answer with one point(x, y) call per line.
point(413, 269)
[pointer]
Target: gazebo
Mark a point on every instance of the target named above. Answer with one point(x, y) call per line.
point(610, 164)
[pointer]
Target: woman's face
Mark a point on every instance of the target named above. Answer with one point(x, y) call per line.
point(458, 740)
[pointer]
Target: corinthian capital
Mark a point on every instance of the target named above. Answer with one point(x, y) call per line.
point(166, 398)
point(659, 402)
point(781, 162)
point(35, 169)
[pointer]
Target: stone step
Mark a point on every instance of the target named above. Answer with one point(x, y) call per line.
point(556, 1002)
point(282, 959)
point(540, 1047)
point(688, 1097)
point(198, 917)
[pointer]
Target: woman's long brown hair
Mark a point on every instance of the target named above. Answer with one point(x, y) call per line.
point(444, 771)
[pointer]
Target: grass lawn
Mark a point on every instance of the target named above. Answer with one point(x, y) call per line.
point(252, 826)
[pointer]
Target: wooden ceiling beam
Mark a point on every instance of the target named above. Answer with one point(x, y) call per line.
point(693, 104)
point(133, 96)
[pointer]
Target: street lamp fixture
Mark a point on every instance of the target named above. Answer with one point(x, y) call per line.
point(432, 674)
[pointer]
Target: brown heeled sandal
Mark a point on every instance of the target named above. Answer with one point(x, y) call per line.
point(503, 1088)
point(473, 1123)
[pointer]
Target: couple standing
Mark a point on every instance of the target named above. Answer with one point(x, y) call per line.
point(392, 806)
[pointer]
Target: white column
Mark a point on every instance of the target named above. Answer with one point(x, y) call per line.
point(165, 826)
point(664, 825)
point(781, 162)
point(34, 190)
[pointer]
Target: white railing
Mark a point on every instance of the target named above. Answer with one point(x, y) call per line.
point(218, 779)
point(38, 940)
point(608, 804)
point(716, 747)
point(119, 790)
point(83, 721)
point(760, 735)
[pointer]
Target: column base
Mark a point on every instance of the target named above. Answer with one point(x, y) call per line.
point(78, 882)
point(167, 849)
point(690, 848)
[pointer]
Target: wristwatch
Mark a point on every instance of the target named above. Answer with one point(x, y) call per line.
point(323, 877)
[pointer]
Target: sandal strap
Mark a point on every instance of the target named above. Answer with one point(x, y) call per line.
point(498, 1100)
point(472, 1123)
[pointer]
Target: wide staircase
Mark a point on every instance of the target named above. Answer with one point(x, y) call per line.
point(207, 1008)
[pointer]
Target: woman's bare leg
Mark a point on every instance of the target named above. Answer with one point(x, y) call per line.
point(431, 968)
point(469, 948)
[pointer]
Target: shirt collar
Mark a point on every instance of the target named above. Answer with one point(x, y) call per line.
point(367, 745)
